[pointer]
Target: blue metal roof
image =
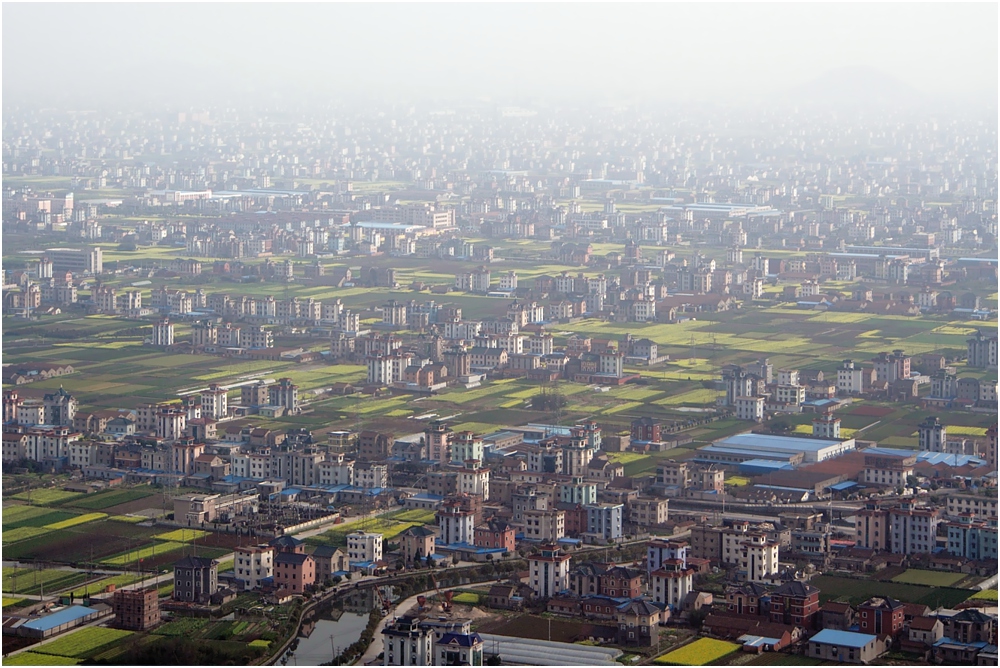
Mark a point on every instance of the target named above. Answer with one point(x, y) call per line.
point(841, 486)
point(842, 638)
point(64, 616)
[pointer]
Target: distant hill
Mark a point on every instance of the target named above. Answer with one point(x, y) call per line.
point(857, 88)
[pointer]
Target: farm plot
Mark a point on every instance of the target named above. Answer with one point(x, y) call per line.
point(80, 644)
point(338, 537)
point(36, 659)
point(985, 595)
point(699, 653)
point(74, 521)
point(104, 500)
point(929, 578)
point(699, 397)
point(32, 581)
point(40, 518)
point(46, 497)
point(157, 549)
point(22, 533)
point(182, 535)
point(857, 591)
point(102, 585)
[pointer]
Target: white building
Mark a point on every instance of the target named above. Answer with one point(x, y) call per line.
point(253, 564)
point(457, 525)
point(549, 572)
point(163, 333)
point(750, 408)
point(215, 402)
point(758, 558)
point(849, 379)
point(363, 546)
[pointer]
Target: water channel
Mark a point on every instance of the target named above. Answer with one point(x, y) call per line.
point(334, 628)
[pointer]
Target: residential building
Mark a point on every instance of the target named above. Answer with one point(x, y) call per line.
point(549, 572)
point(136, 609)
point(845, 647)
point(253, 564)
point(196, 579)
point(294, 571)
point(881, 616)
point(364, 547)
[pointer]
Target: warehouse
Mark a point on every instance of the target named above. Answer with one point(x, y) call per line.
point(62, 620)
point(791, 449)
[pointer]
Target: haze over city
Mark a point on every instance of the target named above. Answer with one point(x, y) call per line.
point(499, 334)
point(179, 54)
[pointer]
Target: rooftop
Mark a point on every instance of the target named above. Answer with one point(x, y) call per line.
point(842, 638)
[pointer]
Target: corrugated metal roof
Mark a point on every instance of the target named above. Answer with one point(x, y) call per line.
point(842, 638)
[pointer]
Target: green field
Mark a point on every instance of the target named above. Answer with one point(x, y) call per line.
point(107, 499)
point(80, 644)
point(32, 580)
point(182, 535)
point(857, 591)
point(101, 585)
point(36, 659)
point(930, 578)
point(985, 595)
point(46, 497)
point(132, 556)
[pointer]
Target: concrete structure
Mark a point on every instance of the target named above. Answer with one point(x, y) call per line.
point(364, 547)
point(252, 564)
point(136, 609)
point(195, 579)
point(548, 572)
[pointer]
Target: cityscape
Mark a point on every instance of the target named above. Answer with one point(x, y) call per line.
point(297, 373)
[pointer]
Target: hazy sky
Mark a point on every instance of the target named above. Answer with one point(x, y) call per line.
point(188, 53)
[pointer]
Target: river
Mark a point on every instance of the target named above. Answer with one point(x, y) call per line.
point(319, 648)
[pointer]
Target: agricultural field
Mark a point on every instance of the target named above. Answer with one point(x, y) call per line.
point(134, 556)
point(857, 591)
point(338, 537)
point(699, 653)
point(984, 595)
point(46, 497)
point(74, 521)
point(102, 584)
point(33, 580)
point(929, 578)
point(36, 659)
point(83, 643)
point(104, 500)
point(182, 535)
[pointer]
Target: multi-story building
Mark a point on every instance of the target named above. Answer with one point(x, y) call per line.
point(544, 525)
point(196, 579)
point(284, 393)
point(163, 333)
point(548, 572)
point(979, 506)
point(881, 616)
point(604, 520)
point(933, 435)
point(646, 512)
point(972, 538)
point(888, 468)
point(750, 408)
point(758, 558)
point(457, 524)
point(136, 609)
point(913, 528)
point(795, 603)
point(252, 564)
point(407, 642)
point(215, 402)
point(891, 367)
point(364, 547)
point(294, 571)
point(982, 351)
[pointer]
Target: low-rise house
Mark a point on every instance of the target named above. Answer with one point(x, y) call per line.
point(845, 646)
point(836, 616)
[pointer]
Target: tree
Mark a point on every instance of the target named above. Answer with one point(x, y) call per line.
point(455, 559)
point(430, 562)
